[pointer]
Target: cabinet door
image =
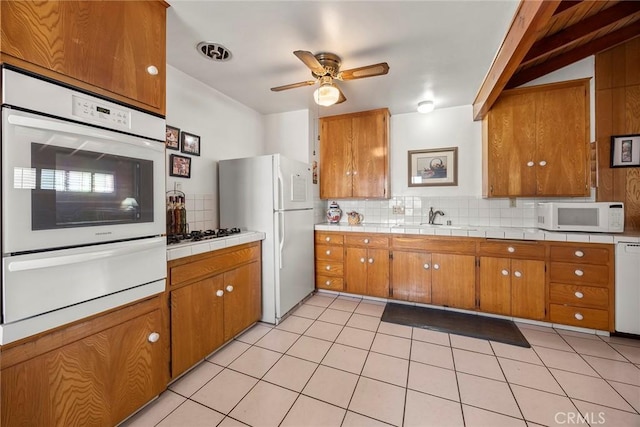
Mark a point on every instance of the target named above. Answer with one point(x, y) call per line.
point(453, 280)
point(99, 380)
point(411, 278)
point(511, 150)
point(370, 155)
point(335, 158)
point(196, 323)
point(562, 131)
point(378, 273)
point(356, 270)
point(242, 303)
point(495, 285)
point(527, 289)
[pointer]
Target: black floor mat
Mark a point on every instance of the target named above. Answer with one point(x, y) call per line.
point(488, 328)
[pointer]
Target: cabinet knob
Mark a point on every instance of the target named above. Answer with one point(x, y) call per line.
point(579, 273)
point(152, 70)
point(579, 254)
point(328, 282)
point(219, 292)
point(348, 173)
point(517, 274)
point(436, 266)
point(511, 249)
point(328, 239)
point(578, 316)
point(579, 294)
point(362, 260)
point(426, 266)
point(530, 163)
point(370, 260)
point(366, 241)
point(355, 172)
point(328, 267)
point(153, 337)
point(229, 288)
point(328, 252)
point(505, 272)
point(543, 163)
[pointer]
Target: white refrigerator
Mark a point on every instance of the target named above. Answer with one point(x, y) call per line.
point(273, 194)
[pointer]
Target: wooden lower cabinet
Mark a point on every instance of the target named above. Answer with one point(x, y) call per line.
point(411, 276)
point(367, 271)
point(97, 372)
point(453, 280)
point(214, 296)
point(513, 287)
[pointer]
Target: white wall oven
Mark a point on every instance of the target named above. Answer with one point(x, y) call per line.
point(82, 204)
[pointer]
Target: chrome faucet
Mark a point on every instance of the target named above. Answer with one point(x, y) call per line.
point(433, 214)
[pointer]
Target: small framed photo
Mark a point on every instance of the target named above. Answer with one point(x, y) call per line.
point(172, 141)
point(190, 143)
point(180, 166)
point(430, 168)
point(625, 151)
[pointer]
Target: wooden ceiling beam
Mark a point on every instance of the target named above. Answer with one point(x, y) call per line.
point(529, 19)
point(582, 29)
point(580, 52)
point(566, 5)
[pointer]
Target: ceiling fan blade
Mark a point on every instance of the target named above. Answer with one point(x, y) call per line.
point(310, 61)
point(293, 85)
point(362, 72)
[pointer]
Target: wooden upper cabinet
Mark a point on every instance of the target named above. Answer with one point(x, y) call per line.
point(536, 142)
point(354, 155)
point(104, 47)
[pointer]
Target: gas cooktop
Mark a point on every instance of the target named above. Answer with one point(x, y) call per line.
point(199, 235)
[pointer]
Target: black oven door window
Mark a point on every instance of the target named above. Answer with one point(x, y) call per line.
point(76, 188)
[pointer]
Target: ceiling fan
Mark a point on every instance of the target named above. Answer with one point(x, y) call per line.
point(325, 68)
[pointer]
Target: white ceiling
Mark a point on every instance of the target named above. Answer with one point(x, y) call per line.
point(439, 50)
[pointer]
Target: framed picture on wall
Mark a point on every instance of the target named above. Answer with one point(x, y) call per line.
point(429, 168)
point(180, 166)
point(625, 151)
point(190, 143)
point(172, 141)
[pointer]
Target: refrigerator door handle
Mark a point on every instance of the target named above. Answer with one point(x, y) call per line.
point(281, 236)
point(280, 190)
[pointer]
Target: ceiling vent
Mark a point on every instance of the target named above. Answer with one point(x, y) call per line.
point(214, 51)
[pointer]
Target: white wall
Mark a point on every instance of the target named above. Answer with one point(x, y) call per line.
point(288, 134)
point(448, 127)
point(227, 129)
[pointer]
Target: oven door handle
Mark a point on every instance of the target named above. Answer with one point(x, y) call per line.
point(57, 261)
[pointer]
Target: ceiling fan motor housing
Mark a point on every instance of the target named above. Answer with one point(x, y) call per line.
point(330, 62)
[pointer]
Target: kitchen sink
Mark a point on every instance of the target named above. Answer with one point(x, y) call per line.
point(433, 227)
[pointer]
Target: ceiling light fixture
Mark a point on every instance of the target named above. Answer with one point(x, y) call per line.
point(426, 106)
point(327, 94)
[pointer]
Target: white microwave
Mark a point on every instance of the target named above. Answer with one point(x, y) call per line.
point(592, 217)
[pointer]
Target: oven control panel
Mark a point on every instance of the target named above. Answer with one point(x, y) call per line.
point(102, 113)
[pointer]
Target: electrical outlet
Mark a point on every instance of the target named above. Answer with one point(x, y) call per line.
point(512, 202)
point(178, 186)
point(398, 210)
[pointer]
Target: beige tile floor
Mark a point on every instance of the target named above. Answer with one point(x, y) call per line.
point(334, 363)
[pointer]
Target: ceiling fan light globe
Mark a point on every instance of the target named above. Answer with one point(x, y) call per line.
point(326, 95)
point(425, 106)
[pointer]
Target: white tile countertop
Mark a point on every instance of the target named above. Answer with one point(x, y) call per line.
point(181, 250)
point(513, 233)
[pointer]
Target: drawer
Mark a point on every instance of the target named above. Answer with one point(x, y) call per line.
point(329, 282)
point(368, 241)
point(579, 316)
point(329, 238)
point(581, 253)
point(561, 272)
point(581, 296)
point(329, 267)
point(533, 250)
point(329, 253)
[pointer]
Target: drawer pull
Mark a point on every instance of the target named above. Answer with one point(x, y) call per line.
point(426, 266)
point(436, 266)
point(543, 163)
point(505, 272)
point(219, 293)
point(366, 241)
point(517, 274)
point(229, 288)
point(579, 273)
point(530, 163)
point(511, 249)
point(578, 316)
point(328, 239)
point(328, 283)
point(153, 337)
point(348, 173)
point(370, 260)
point(355, 172)
point(579, 294)
point(328, 252)
point(579, 254)
point(328, 267)
point(362, 260)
